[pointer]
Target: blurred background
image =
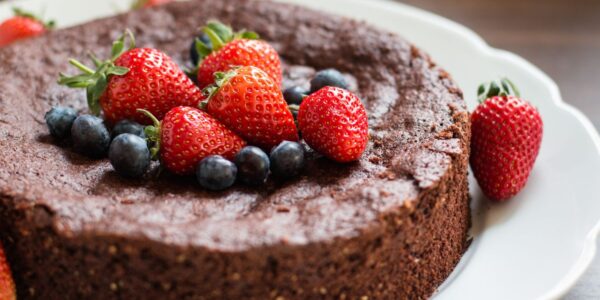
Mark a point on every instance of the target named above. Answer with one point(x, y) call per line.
point(561, 37)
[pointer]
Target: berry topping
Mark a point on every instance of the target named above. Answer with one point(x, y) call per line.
point(229, 49)
point(506, 137)
point(129, 155)
point(250, 103)
point(60, 120)
point(127, 126)
point(187, 135)
point(294, 95)
point(253, 165)
point(215, 173)
point(90, 136)
point(334, 122)
point(22, 25)
point(287, 160)
point(328, 77)
point(7, 284)
point(134, 78)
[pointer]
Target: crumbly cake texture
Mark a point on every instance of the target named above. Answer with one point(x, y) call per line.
point(391, 226)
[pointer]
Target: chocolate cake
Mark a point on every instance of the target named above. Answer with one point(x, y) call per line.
point(390, 226)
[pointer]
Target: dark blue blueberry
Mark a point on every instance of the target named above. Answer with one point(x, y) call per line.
point(328, 77)
point(253, 165)
point(126, 126)
point(216, 173)
point(59, 120)
point(90, 136)
point(129, 155)
point(194, 53)
point(287, 160)
point(294, 95)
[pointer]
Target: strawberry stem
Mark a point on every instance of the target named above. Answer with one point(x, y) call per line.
point(81, 67)
point(152, 133)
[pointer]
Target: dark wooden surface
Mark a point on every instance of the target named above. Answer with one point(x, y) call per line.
point(559, 36)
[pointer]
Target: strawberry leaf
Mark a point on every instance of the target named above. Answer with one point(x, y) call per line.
point(152, 133)
point(220, 35)
point(96, 81)
point(504, 87)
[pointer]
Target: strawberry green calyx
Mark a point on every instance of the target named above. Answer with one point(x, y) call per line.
point(221, 78)
point(96, 81)
point(220, 35)
point(503, 87)
point(25, 14)
point(152, 133)
point(137, 4)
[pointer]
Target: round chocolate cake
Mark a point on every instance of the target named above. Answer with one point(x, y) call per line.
point(391, 226)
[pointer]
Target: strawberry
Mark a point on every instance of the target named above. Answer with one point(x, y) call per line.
point(22, 25)
point(334, 122)
point(134, 78)
point(7, 285)
point(506, 138)
point(187, 135)
point(249, 102)
point(230, 49)
point(148, 3)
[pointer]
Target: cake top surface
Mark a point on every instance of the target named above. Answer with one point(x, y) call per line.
point(411, 105)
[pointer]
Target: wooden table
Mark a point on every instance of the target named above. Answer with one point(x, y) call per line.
point(562, 38)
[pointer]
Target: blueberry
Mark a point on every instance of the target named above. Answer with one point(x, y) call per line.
point(126, 126)
point(287, 159)
point(328, 77)
point(216, 173)
point(253, 165)
point(194, 53)
point(60, 120)
point(294, 95)
point(90, 136)
point(129, 155)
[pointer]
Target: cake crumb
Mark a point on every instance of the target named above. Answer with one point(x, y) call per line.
point(236, 276)
point(323, 291)
point(114, 287)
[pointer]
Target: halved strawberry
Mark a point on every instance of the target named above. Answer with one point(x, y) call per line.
point(134, 78)
point(230, 49)
point(249, 102)
point(187, 135)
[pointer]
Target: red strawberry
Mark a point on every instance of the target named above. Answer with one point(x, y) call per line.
point(229, 50)
point(22, 25)
point(187, 135)
point(334, 122)
point(251, 104)
point(148, 3)
point(506, 138)
point(7, 285)
point(134, 78)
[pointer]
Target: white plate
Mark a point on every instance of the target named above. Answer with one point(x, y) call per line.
point(537, 245)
